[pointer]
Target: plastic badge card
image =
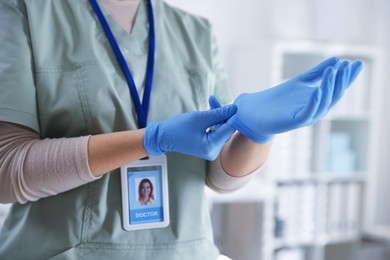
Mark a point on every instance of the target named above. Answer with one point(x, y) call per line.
point(145, 203)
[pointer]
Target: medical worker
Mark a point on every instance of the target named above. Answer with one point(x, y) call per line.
point(90, 85)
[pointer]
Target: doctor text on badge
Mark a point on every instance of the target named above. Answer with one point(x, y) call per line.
point(138, 216)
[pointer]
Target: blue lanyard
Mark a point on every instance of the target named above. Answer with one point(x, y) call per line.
point(142, 109)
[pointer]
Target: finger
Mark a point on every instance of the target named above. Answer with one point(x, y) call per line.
point(304, 116)
point(356, 68)
point(342, 77)
point(218, 115)
point(221, 135)
point(315, 74)
point(327, 89)
point(214, 102)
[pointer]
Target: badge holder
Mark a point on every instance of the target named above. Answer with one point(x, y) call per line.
point(145, 203)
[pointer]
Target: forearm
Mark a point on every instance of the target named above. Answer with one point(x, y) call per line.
point(31, 168)
point(241, 156)
point(110, 151)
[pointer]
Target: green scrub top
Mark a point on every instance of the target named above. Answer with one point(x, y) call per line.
point(60, 77)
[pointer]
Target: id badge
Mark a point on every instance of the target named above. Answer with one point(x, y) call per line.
point(145, 203)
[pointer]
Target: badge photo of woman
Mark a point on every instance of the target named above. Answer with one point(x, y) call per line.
point(145, 192)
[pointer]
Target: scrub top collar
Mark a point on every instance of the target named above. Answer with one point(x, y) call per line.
point(135, 42)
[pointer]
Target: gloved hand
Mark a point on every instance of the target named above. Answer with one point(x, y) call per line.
point(190, 133)
point(293, 104)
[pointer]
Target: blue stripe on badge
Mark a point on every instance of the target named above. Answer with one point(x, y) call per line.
point(138, 216)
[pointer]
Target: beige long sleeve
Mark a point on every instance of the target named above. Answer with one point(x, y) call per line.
point(31, 168)
point(220, 181)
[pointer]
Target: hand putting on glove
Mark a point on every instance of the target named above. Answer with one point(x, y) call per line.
point(295, 103)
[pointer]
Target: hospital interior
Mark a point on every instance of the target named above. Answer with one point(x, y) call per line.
point(323, 193)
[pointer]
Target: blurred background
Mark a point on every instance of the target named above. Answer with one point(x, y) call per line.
point(323, 194)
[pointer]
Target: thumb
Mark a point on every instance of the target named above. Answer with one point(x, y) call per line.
point(219, 115)
point(214, 102)
point(222, 134)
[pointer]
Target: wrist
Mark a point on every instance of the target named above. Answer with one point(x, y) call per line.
point(246, 131)
point(151, 139)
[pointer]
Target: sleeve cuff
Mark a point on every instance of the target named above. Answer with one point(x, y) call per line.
point(82, 164)
point(220, 181)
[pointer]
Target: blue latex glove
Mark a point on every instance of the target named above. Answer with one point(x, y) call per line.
point(293, 104)
point(190, 133)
